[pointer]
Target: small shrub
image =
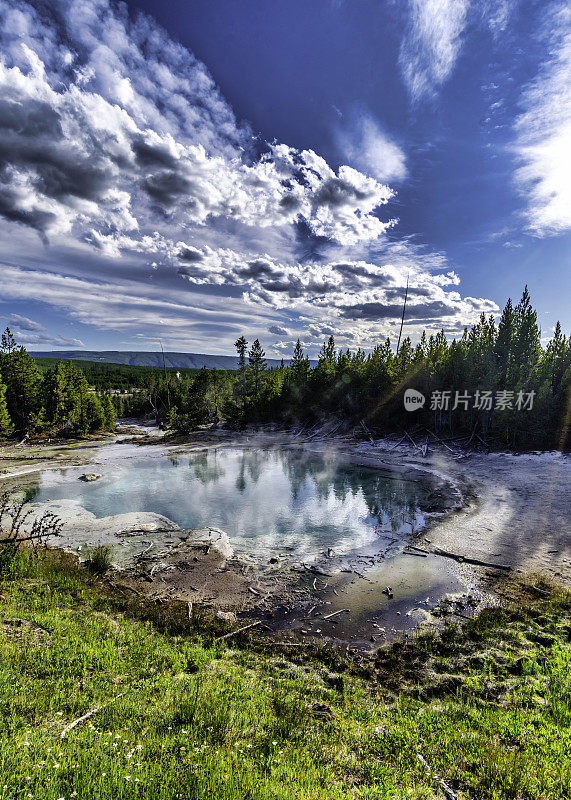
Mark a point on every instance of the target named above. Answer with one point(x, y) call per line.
point(99, 560)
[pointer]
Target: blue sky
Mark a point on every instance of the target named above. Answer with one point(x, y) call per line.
point(189, 171)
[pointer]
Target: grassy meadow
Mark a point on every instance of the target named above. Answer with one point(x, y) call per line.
point(487, 706)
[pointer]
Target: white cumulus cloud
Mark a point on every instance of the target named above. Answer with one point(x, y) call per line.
point(108, 127)
point(167, 218)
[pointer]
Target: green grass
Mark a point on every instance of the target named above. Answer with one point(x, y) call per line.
point(99, 560)
point(489, 706)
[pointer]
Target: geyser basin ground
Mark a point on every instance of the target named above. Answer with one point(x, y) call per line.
point(283, 509)
point(509, 508)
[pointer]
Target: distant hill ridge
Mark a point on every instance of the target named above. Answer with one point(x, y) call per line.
point(149, 359)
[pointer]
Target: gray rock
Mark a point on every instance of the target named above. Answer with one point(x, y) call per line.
point(226, 616)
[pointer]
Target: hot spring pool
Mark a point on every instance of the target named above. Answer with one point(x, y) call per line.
point(266, 500)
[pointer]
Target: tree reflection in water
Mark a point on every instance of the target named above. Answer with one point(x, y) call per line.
point(266, 500)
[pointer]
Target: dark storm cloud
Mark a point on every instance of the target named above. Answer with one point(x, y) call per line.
point(278, 330)
point(147, 155)
point(337, 193)
point(10, 210)
point(190, 255)
point(34, 120)
point(257, 270)
point(415, 312)
point(166, 188)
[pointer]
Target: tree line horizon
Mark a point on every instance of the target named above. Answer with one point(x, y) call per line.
point(57, 403)
point(507, 356)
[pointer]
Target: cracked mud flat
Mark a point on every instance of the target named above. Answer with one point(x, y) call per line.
point(501, 508)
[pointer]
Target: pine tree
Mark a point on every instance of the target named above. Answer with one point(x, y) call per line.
point(241, 346)
point(299, 366)
point(94, 414)
point(322, 377)
point(505, 345)
point(79, 389)
point(327, 352)
point(256, 364)
point(6, 427)
point(403, 359)
point(109, 412)
point(23, 381)
point(61, 405)
point(8, 343)
point(554, 359)
point(527, 344)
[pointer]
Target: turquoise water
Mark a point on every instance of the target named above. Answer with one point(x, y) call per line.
point(265, 500)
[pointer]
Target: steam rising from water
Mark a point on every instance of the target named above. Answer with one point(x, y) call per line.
point(268, 501)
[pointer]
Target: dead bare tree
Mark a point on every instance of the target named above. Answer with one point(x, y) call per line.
point(403, 312)
point(19, 523)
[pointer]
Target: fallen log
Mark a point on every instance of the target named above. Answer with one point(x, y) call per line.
point(317, 571)
point(483, 442)
point(146, 550)
point(438, 439)
point(456, 438)
point(81, 719)
point(323, 434)
point(414, 444)
point(368, 432)
point(449, 794)
point(466, 560)
point(240, 630)
point(397, 444)
point(420, 549)
point(334, 614)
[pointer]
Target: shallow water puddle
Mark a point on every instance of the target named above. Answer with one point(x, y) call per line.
point(416, 583)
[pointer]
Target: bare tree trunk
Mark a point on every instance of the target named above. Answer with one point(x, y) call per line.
point(402, 318)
